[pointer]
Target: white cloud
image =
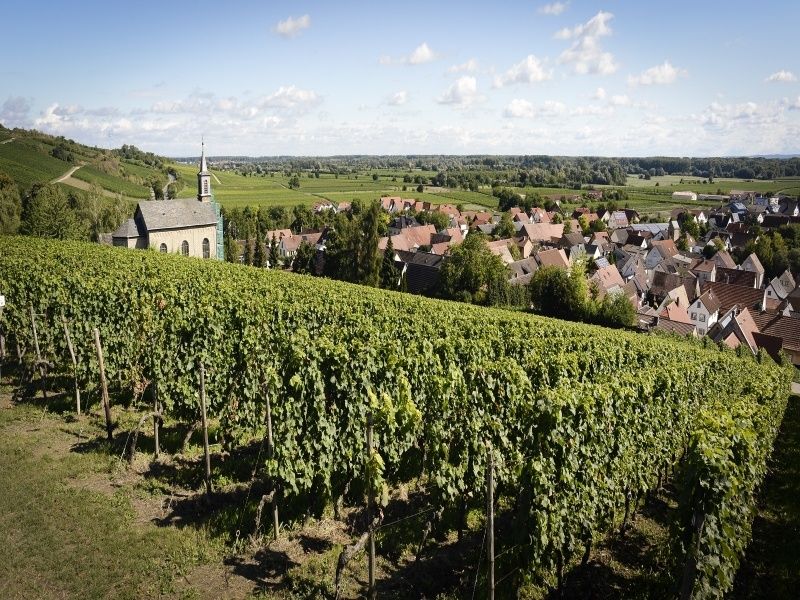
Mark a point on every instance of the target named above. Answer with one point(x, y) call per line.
point(586, 53)
point(529, 70)
point(14, 111)
point(599, 94)
point(398, 98)
point(463, 92)
point(466, 67)
point(658, 75)
point(782, 76)
point(518, 109)
point(421, 54)
point(291, 97)
point(621, 100)
point(553, 9)
point(292, 27)
point(795, 105)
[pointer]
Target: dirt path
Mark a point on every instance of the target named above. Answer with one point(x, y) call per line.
point(67, 175)
point(216, 178)
point(7, 141)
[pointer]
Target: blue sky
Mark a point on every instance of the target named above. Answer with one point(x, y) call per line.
point(264, 78)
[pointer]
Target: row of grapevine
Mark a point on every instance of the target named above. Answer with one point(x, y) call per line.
point(578, 418)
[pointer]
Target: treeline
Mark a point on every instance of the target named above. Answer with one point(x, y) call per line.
point(133, 154)
point(50, 211)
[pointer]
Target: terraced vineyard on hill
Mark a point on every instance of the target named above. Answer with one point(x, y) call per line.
point(578, 420)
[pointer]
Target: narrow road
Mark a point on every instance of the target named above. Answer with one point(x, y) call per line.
point(170, 179)
point(66, 175)
point(7, 141)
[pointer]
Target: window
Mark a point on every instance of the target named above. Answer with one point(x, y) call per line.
point(702, 318)
point(205, 186)
point(162, 248)
point(694, 316)
point(206, 248)
point(698, 305)
point(185, 248)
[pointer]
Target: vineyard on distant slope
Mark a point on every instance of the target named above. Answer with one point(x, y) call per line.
point(577, 419)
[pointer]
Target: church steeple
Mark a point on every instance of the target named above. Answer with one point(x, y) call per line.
point(203, 177)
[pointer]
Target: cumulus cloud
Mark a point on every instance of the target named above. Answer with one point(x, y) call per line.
point(462, 92)
point(15, 111)
point(553, 9)
point(469, 66)
point(292, 27)
point(419, 56)
point(621, 100)
point(398, 98)
point(586, 54)
point(519, 108)
point(291, 97)
point(659, 75)
point(599, 94)
point(782, 77)
point(529, 70)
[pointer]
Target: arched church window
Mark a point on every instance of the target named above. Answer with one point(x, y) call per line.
point(162, 248)
point(206, 248)
point(185, 248)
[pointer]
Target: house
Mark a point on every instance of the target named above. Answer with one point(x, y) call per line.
point(522, 270)
point(421, 270)
point(542, 232)
point(608, 280)
point(189, 226)
point(729, 295)
point(736, 328)
point(737, 277)
point(410, 238)
point(288, 245)
point(684, 197)
point(781, 286)
point(704, 311)
point(752, 264)
point(672, 311)
point(660, 251)
point(554, 257)
point(501, 248)
point(724, 259)
point(618, 220)
point(705, 270)
point(787, 329)
point(664, 285)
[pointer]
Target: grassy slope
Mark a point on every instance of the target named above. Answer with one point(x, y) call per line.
point(26, 164)
point(109, 182)
point(63, 540)
point(771, 568)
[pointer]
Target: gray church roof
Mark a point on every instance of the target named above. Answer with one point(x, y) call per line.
point(176, 214)
point(127, 230)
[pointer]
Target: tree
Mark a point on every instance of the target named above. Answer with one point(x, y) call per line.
point(304, 258)
point(556, 293)
point(583, 223)
point(567, 226)
point(294, 182)
point(248, 252)
point(274, 254)
point(10, 206)
point(470, 268)
point(505, 228)
point(259, 254)
point(374, 177)
point(614, 310)
point(46, 212)
point(389, 273)
point(420, 188)
point(366, 247)
point(436, 218)
point(231, 248)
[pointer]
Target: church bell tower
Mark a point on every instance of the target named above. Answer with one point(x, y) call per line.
point(203, 178)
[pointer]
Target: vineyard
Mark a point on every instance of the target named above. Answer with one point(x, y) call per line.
point(575, 422)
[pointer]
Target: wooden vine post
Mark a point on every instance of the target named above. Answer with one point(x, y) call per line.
point(39, 362)
point(156, 449)
point(270, 453)
point(74, 360)
point(205, 427)
point(490, 523)
point(103, 384)
point(370, 509)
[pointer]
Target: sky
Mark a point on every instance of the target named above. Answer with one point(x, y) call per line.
point(611, 78)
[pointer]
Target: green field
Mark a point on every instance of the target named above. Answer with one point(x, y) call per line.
point(26, 165)
point(234, 190)
point(114, 184)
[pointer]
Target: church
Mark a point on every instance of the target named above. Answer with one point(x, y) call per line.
point(189, 226)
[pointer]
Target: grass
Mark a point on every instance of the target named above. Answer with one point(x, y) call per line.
point(63, 540)
point(771, 568)
point(112, 183)
point(26, 164)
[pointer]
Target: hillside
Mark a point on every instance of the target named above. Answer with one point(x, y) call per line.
point(578, 422)
point(31, 157)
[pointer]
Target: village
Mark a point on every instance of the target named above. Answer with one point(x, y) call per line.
point(680, 275)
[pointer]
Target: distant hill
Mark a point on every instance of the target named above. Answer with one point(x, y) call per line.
point(30, 157)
